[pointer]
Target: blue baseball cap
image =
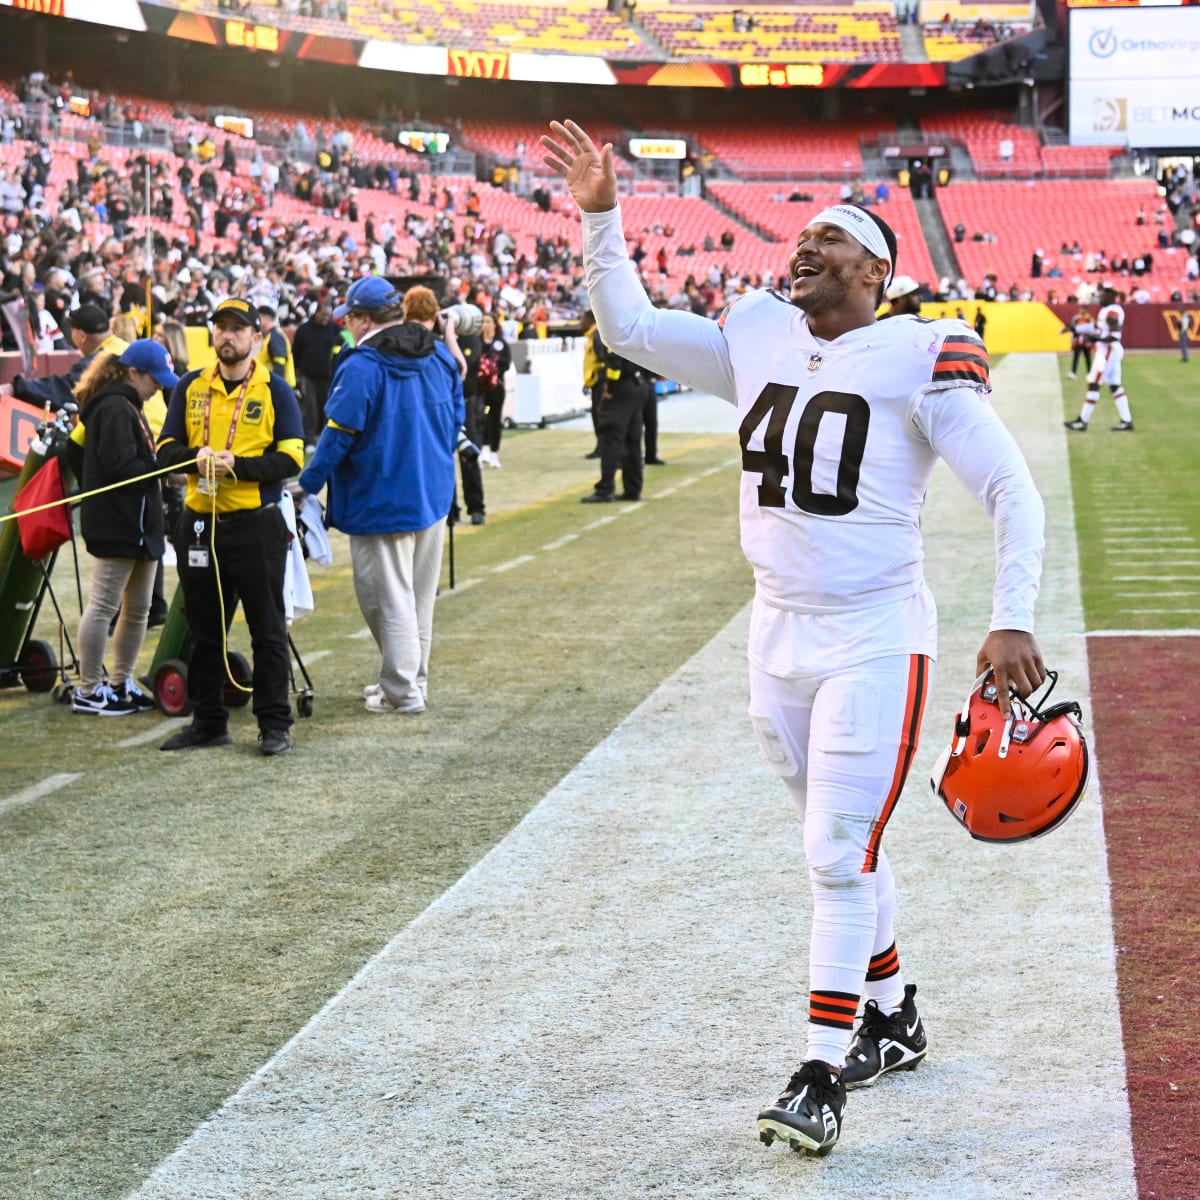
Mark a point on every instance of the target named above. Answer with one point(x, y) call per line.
point(151, 358)
point(372, 291)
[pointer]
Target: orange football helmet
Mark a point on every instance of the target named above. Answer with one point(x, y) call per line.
point(1009, 780)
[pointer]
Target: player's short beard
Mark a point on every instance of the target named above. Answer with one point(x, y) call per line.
point(828, 292)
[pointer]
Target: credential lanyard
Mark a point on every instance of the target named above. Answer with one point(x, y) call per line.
point(237, 410)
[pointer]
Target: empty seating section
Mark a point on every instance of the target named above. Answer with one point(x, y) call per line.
point(830, 150)
point(1045, 214)
point(767, 206)
point(954, 29)
point(985, 138)
point(691, 221)
point(862, 32)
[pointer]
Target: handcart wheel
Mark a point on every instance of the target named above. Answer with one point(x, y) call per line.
point(304, 703)
point(170, 688)
point(38, 666)
point(64, 693)
point(239, 668)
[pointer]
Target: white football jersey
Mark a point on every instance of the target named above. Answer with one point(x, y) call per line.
point(835, 467)
point(1112, 329)
point(839, 439)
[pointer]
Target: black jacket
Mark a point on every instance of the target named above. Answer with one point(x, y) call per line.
point(126, 522)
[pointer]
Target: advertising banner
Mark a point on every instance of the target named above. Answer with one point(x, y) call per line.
point(1133, 78)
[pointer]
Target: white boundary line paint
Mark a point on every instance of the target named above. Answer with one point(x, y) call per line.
point(159, 729)
point(565, 540)
point(637, 942)
point(519, 561)
point(1132, 633)
point(316, 656)
point(35, 791)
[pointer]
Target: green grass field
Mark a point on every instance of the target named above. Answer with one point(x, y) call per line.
point(170, 921)
point(1136, 507)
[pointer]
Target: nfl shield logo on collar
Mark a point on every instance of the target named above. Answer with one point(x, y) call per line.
point(814, 362)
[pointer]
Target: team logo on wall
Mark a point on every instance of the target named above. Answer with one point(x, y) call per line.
point(1109, 115)
point(814, 362)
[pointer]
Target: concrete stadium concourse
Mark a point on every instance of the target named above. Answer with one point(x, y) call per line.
point(601, 1005)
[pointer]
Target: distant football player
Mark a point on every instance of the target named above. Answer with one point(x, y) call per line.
point(842, 420)
point(1106, 366)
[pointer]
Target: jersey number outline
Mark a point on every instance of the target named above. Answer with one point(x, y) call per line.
point(774, 405)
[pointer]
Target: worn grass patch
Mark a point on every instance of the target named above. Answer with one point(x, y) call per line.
point(171, 920)
point(1138, 521)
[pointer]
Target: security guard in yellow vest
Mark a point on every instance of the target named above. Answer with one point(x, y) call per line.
point(243, 424)
point(275, 353)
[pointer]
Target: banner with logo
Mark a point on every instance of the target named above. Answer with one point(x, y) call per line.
point(1133, 78)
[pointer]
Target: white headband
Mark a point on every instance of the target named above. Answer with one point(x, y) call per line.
point(861, 228)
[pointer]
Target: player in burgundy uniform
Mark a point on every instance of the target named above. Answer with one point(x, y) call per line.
point(842, 422)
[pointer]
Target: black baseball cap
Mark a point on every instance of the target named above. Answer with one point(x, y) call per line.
point(243, 310)
point(89, 318)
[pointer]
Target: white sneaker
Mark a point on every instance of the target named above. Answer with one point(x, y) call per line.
point(1070, 374)
point(372, 689)
point(495, 459)
point(379, 703)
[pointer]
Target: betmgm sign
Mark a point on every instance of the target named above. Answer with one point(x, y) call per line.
point(1133, 78)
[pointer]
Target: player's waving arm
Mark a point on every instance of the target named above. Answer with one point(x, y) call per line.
point(680, 346)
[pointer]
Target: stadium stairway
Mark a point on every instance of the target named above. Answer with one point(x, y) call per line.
point(732, 213)
point(937, 239)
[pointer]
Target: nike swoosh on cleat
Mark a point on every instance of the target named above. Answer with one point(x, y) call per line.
point(911, 1029)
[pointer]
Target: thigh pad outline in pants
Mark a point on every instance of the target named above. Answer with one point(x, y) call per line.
point(835, 744)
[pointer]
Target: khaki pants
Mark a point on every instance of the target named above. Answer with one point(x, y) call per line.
point(396, 580)
point(117, 583)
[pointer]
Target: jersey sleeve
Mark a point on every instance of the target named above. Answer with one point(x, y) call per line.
point(962, 361)
point(676, 345)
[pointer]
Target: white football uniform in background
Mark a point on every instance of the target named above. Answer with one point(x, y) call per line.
point(1106, 365)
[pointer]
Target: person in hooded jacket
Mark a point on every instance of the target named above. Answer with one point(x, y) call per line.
point(123, 529)
point(387, 454)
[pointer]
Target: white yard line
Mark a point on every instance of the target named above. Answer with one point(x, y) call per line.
point(35, 791)
point(157, 730)
point(599, 1006)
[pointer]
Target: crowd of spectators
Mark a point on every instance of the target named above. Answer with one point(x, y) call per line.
point(218, 232)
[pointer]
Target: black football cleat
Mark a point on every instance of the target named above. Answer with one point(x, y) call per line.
point(885, 1043)
point(808, 1116)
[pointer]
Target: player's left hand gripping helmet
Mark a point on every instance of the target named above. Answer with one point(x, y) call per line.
point(1009, 780)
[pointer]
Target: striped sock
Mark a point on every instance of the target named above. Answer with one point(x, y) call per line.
point(885, 984)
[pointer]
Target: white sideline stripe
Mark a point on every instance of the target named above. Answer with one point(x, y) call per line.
point(316, 656)
point(460, 585)
point(1163, 612)
point(1144, 540)
point(364, 632)
point(565, 540)
point(639, 936)
point(519, 561)
point(1154, 633)
point(35, 791)
point(598, 522)
point(665, 492)
point(150, 735)
point(1156, 578)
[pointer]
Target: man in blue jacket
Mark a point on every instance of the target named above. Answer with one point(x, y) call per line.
point(387, 453)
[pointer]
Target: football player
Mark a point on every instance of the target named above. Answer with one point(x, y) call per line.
point(842, 420)
point(1106, 366)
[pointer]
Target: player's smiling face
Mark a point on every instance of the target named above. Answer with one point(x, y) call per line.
point(825, 267)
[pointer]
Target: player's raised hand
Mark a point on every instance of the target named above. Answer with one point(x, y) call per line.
point(590, 175)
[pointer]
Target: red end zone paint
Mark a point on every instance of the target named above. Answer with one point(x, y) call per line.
point(1146, 713)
